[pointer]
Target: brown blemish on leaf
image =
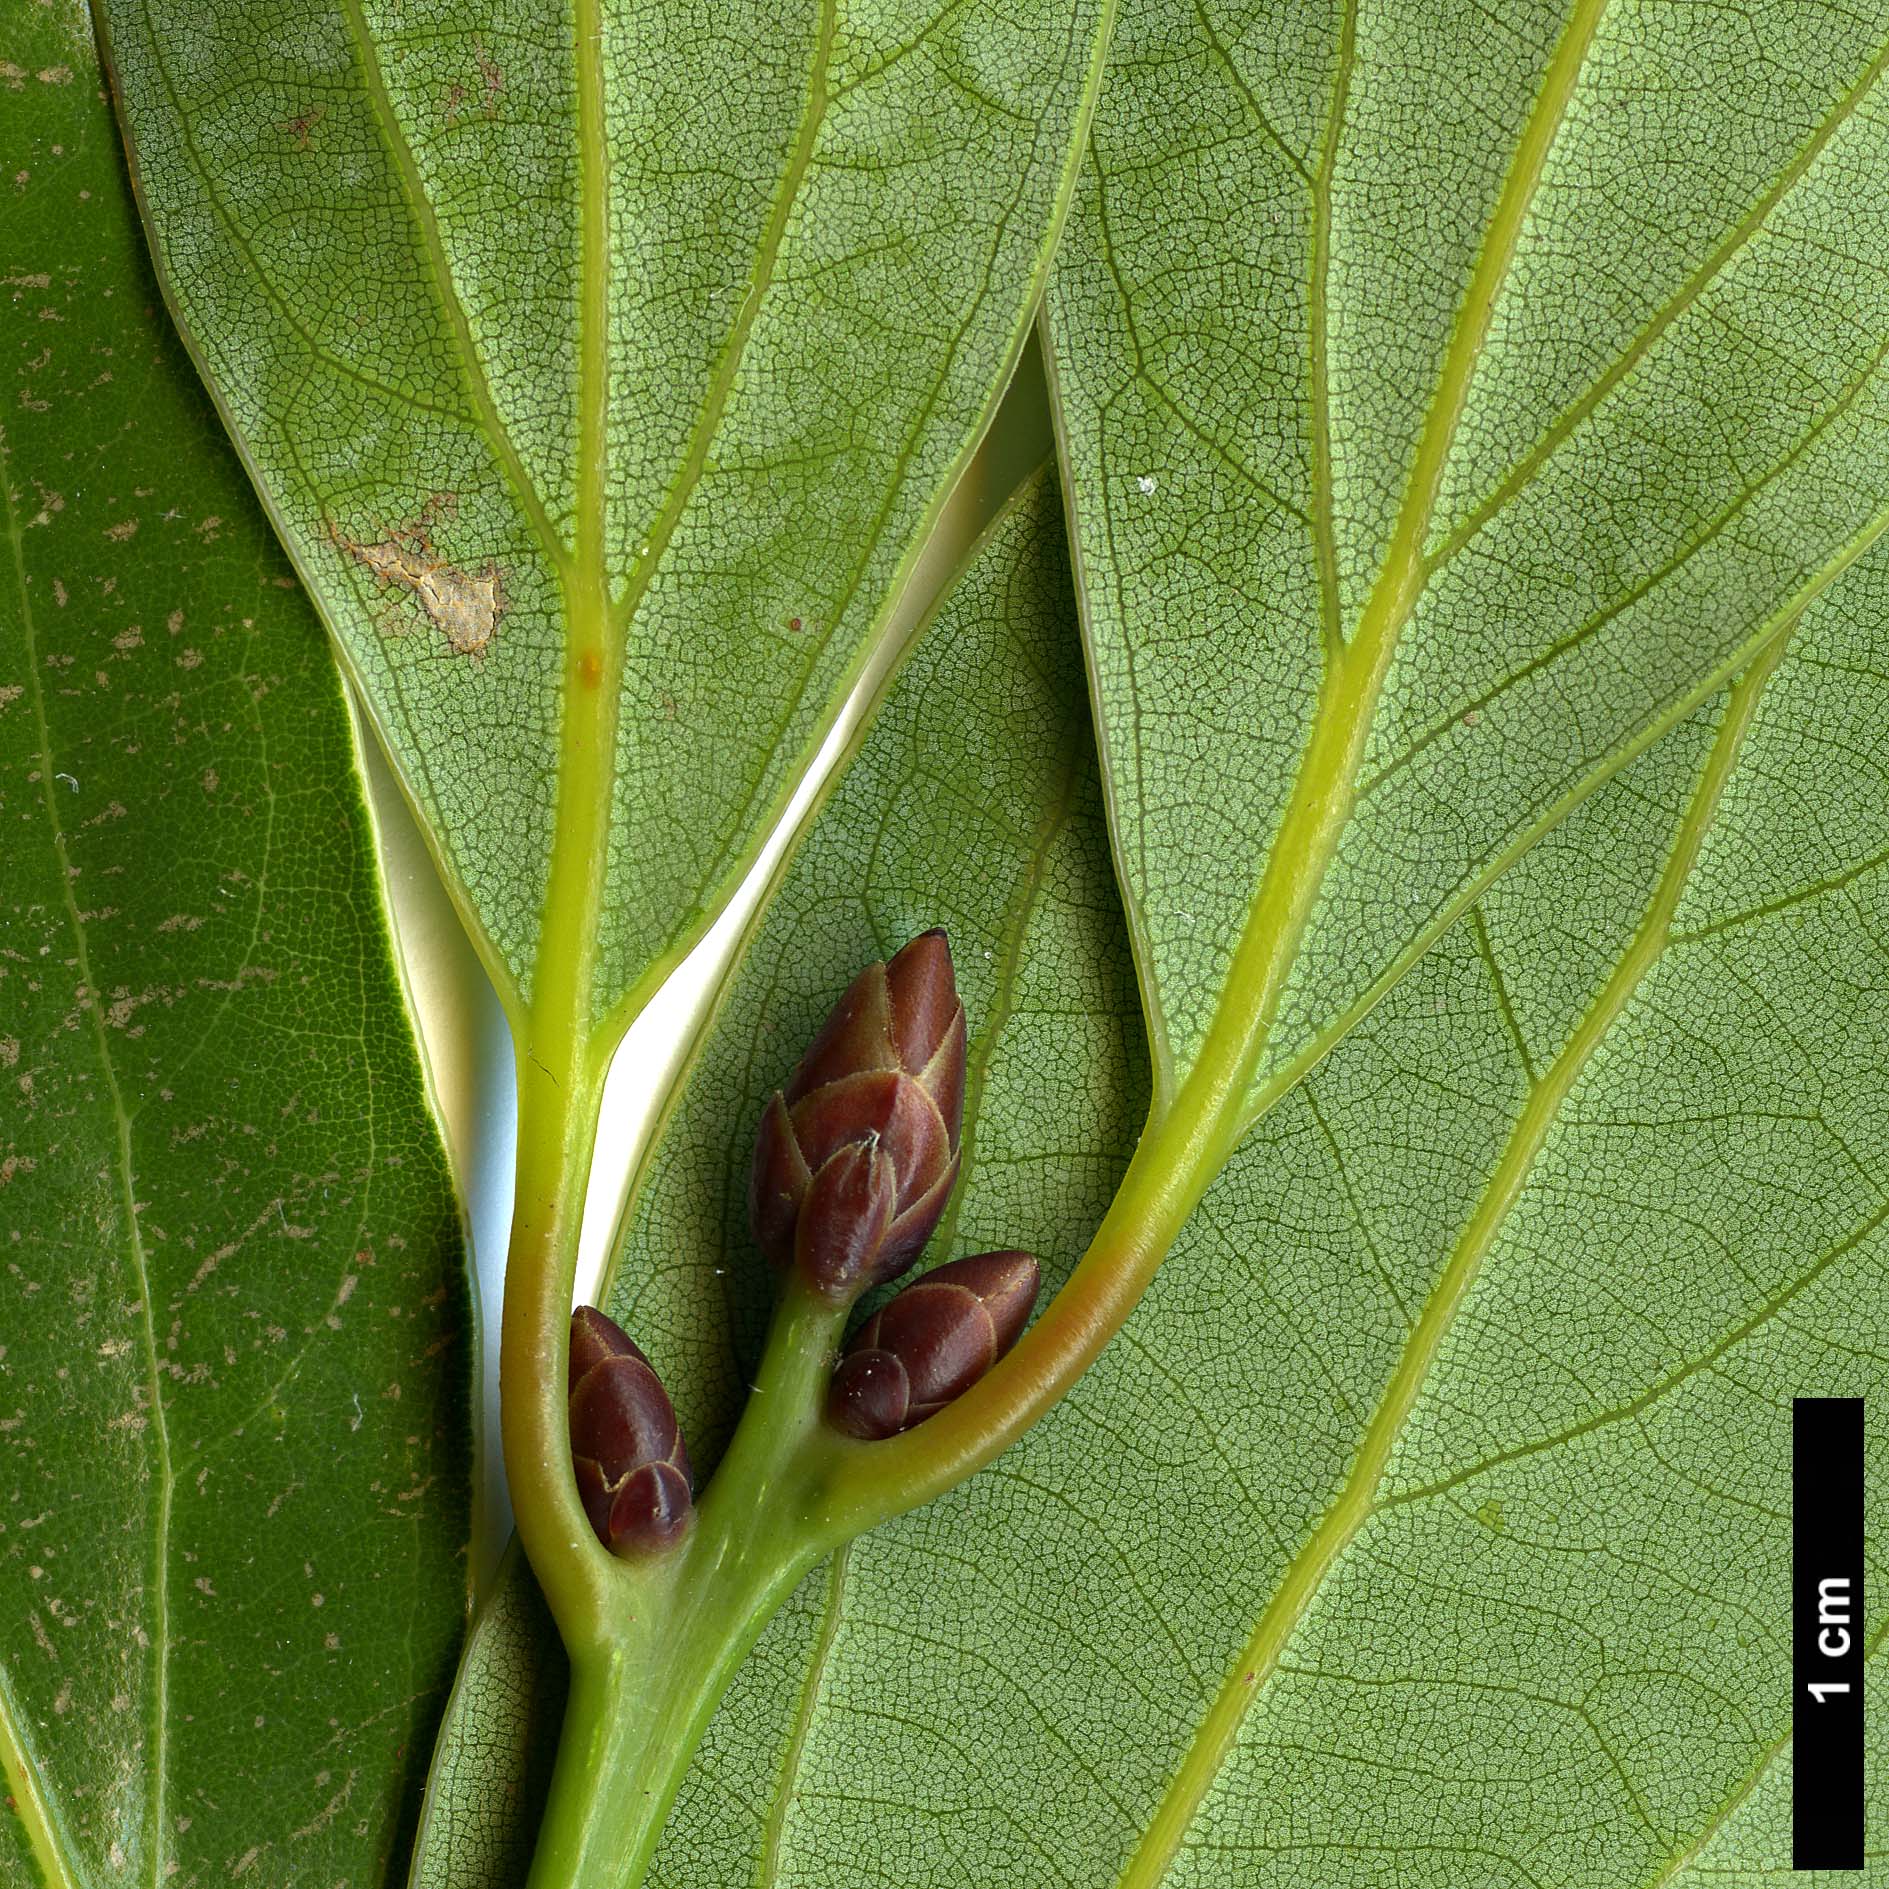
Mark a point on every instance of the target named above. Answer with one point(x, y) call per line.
point(490, 76)
point(465, 606)
point(300, 126)
point(590, 668)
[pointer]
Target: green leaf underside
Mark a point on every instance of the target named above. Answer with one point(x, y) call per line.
point(1533, 360)
point(996, 684)
point(698, 311)
point(1429, 1521)
point(1458, 1419)
point(491, 1768)
point(234, 1428)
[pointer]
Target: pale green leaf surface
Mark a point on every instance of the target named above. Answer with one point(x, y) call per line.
point(678, 320)
point(1428, 1523)
point(234, 1364)
point(1288, 435)
point(491, 1765)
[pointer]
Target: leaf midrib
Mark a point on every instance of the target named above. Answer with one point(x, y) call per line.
point(1324, 791)
point(1356, 1504)
point(1193, 1130)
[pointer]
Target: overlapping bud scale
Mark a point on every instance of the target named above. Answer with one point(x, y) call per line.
point(856, 1157)
point(931, 1343)
point(626, 1451)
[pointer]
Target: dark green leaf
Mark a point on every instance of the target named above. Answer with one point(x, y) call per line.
point(234, 1353)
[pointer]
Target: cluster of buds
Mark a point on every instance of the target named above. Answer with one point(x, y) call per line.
point(632, 1470)
point(853, 1165)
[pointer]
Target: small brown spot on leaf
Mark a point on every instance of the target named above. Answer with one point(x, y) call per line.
point(303, 123)
point(490, 76)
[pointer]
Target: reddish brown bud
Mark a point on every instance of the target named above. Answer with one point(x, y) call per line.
point(626, 1452)
point(844, 1217)
point(885, 1074)
point(931, 1343)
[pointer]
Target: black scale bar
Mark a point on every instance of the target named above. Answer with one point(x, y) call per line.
point(1827, 1633)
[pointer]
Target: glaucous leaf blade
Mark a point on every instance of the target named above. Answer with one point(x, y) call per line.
point(604, 369)
point(1449, 402)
